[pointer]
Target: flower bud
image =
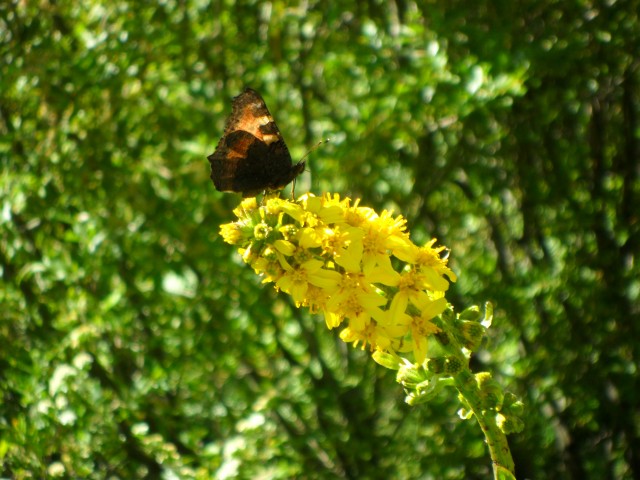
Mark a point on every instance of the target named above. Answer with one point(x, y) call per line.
point(509, 424)
point(231, 233)
point(491, 393)
point(453, 366)
point(387, 360)
point(437, 365)
point(411, 375)
point(472, 314)
point(261, 231)
point(471, 334)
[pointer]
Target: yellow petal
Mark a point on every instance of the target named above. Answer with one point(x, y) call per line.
point(285, 247)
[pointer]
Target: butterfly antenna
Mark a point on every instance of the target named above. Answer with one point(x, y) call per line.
point(293, 185)
point(326, 140)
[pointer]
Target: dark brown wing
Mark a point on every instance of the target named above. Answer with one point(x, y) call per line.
point(251, 156)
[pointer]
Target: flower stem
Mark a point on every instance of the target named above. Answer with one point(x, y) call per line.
point(503, 466)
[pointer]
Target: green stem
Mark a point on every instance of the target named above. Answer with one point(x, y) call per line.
point(503, 466)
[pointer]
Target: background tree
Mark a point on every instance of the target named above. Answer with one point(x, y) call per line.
point(136, 343)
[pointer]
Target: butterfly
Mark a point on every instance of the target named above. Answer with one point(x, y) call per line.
point(251, 157)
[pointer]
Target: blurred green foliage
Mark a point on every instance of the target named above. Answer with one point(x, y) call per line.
point(135, 343)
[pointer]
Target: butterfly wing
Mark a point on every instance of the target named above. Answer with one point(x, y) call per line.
point(252, 156)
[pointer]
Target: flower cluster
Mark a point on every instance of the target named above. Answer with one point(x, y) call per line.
point(357, 267)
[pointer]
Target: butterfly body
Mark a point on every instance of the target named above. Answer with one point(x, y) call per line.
point(252, 157)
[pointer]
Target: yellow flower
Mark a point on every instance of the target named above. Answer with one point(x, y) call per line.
point(396, 324)
point(380, 234)
point(412, 286)
point(247, 208)
point(349, 257)
point(352, 296)
point(231, 233)
point(315, 299)
point(372, 334)
point(333, 209)
point(422, 327)
point(334, 256)
point(271, 270)
point(426, 257)
point(337, 238)
point(358, 216)
point(295, 281)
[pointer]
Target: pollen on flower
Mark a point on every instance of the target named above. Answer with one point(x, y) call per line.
point(421, 330)
point(411, 280)
point(411, 287)
point(310, 220)
point(316, 299)
point(334, 239)
point(372, 335)
point(374, 241)
point(358, 216)
point(288, 231)
point(269, 269)
point(294, 282)
point(359, 306)
point(392, 226)
point(428, 256)
point(423, 327)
